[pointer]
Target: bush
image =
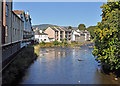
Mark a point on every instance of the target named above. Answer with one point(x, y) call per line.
point(42, 43)
point(55, 43)
point(107, 37)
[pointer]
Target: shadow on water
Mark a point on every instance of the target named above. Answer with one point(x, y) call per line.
point(16, 69)
point(61, 66)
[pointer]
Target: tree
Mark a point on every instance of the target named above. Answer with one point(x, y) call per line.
point(81, 27)
point(91, 29)
point(69, 27)
point(107, 37)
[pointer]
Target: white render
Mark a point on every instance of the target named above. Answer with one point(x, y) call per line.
point(82, 35)
point(74, 32)
point(41, 38)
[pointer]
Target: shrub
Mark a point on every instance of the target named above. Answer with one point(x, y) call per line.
point(107, 37)
point(55, 43)
point(42, 43)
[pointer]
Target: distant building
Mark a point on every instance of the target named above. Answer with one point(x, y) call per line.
point(80, 35)
point(67, 34)
point(75, 35)
point(41, 36)
point(58, 33)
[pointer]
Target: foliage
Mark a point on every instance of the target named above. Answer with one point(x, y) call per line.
point(91, 29)
point(81, 27)
point(69, 27)
point(44, 29)
point(107, 37)
point(55, 42)
point(64, 42)
point(42, 43)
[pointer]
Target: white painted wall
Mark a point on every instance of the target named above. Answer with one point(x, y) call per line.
point(73, 35)
point(42, 38)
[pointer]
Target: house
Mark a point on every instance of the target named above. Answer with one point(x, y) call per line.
point(17, 28)
point(12, 31)
point(75, 35)
point(58, 33)
point(52, 33)
point(80, 35)
point(41, 36)
point(28, 33)
point(67, 34)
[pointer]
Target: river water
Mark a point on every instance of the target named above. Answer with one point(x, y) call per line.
point(61, 66)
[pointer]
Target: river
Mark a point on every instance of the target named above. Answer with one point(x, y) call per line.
point(61, 66)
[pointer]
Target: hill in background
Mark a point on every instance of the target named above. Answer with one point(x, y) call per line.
point(44, 26)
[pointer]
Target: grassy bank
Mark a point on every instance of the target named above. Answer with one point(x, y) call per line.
point(16, 69)
point(60, 44)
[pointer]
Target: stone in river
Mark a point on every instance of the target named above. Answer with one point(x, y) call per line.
point(80, 60)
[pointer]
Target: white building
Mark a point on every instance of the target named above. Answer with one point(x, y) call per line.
point(75, 35)
point(41, 36)
point(80, 35)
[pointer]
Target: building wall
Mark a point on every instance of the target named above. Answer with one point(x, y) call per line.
point(73, 35)
point(41, 38)
point(7, 22)
point(50, 32)
point(17, 28)
point(0, 24)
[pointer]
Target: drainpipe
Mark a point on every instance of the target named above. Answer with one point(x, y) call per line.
point(1, 42)
point(11, 24)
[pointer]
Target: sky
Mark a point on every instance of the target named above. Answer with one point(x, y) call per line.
point(62, 13)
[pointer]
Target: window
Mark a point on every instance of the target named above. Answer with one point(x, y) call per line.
point(13, 31)
point(6, 31)
point(6, 9)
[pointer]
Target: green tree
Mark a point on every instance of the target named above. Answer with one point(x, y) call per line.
point(81, 27)
point(107, 37)
point(69, 27)
point(91, 29)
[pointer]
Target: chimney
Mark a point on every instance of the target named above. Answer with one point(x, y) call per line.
point(27, 12)
point(37, 28)
point(40, 30)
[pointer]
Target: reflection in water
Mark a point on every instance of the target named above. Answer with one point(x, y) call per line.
point(61, 66)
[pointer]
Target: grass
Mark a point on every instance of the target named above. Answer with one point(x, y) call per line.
point(16, 69)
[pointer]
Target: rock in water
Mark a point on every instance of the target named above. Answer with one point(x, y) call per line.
point(79, 59)
point(116, 79)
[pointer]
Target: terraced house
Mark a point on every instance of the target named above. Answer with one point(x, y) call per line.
point(12, 31)
point(16, 30)
point(59, 33)
point(27, 32)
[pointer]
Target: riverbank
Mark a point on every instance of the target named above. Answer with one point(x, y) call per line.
point(16, 69)
point(60, 44)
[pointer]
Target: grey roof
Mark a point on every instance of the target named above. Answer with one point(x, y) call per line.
point(69, 30)
point(38, 33)
point(58, 28)
point(53, 29)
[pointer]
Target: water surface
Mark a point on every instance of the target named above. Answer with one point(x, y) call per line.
point(61, 66)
